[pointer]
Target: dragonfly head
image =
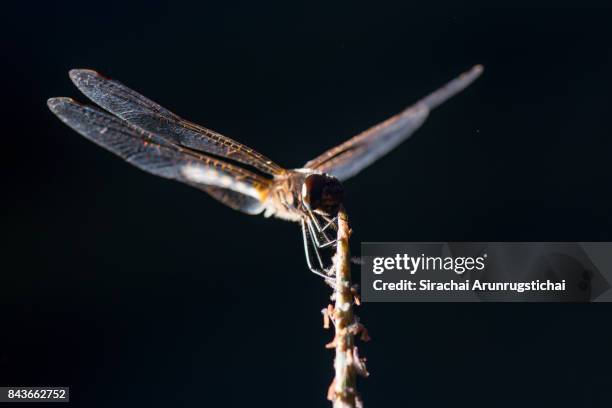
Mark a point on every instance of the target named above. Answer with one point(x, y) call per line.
point(322, 193)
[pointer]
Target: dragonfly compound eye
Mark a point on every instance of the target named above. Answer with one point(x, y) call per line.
point(322, 193)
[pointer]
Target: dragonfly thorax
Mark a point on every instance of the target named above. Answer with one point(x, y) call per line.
point(322, 193)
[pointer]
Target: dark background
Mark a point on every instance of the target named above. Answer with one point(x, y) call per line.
point(137, 291)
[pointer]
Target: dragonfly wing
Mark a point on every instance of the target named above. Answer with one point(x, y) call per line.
point(156, 155)
point(237, 201)
point(145, 114)
point(357, 153)
point(349, 158)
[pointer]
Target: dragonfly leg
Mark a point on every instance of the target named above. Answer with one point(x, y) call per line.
point(331, 222)
point(321, 239)
point(308, 243)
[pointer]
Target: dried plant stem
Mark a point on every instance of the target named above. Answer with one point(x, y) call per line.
point(347, 364)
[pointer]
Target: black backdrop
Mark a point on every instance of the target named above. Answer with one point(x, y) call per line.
point(136, 291)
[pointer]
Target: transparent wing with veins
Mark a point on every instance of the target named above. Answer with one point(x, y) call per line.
point(357, 153)
point(145, 114)
point(236, 187)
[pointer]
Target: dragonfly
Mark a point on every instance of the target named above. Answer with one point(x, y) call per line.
point(155, 140)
